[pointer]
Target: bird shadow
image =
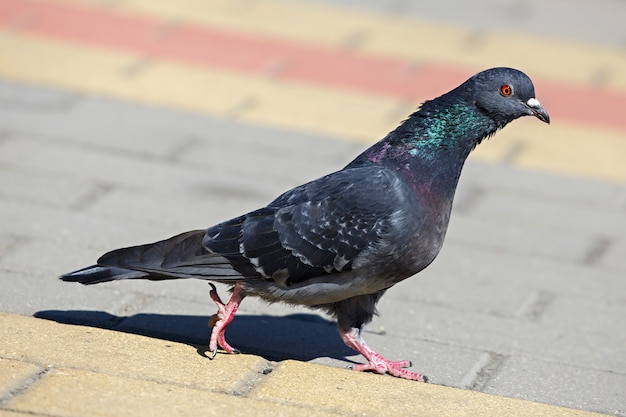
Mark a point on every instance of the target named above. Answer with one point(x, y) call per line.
point(297, 336)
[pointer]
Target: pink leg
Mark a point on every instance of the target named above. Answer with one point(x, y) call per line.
point(376, 362)
point(219, 322)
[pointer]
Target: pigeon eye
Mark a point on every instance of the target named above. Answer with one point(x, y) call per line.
point(506, 90)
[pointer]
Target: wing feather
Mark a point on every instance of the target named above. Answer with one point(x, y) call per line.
point(315, 229)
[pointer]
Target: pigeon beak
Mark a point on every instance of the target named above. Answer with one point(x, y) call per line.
point(538, 111)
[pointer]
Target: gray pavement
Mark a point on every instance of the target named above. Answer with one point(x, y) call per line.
point(599, 22)
point(527, 298)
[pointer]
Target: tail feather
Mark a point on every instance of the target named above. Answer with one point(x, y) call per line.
point(96, 274)
point(181, 256)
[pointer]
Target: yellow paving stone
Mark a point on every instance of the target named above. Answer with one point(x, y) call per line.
point(191, 88)
point(498, 148)
point(558, 148)
point(573, 150)
point(276, 18)
point(5, 413)
point(353, 393)
point(74, 392)
point(332, 112)
point(14, 373)
point(58, 64)
point(386, 31)
point(61, 345)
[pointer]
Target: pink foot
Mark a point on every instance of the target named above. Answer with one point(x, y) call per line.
point(376, 362)
point(219, 321)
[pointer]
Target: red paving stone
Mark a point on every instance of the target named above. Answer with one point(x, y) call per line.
point(257, 54)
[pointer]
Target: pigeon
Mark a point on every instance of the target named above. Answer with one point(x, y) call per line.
point(339, 242)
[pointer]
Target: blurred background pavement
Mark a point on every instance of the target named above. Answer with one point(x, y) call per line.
point(127, 121)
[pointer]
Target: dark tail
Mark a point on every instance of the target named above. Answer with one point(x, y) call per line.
point(96, 274)
point(181, 256)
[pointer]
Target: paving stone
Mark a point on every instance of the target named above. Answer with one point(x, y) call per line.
point(47, 156)
point(33, 101)
point(613, 255)
point(169, 134)
point(498, 235)
point(172, 319)
point(121, 354)
point(506, 335)
point(175, 209)
point(472, 282)
point(7, 243)
point(510, 16)
point(543, 186)
point(6, 413)
point(581, 327)
point(95, 121)
point(119, 396)
point(273, 157)
point(69, 227)
point(13, 374)
point(473, 265)
point(359, 393)
point(41, 258)
point(444, 363)
point(62, 191)
point(479, 293)
point(559, 383)
point(49, 297)
point(553, 216)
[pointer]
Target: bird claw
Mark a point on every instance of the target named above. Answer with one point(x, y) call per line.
point(381, 365)
point(219, 321)
point(375, 362)
point(212, 353)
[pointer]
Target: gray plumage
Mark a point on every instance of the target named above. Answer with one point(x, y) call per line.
point(337, 243)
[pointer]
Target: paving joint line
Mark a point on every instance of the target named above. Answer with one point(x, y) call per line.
point(516, 148)
point(533, 307)
point(353, 41)
point(65, 101)
point(92, 196)
point(473, 194)
point(598, 249)
point(252, 379)
point(127, 310)
point(24, 384)
point(238, 109)
point(126, 154)
point(15, 241)
point(136, 67)
point(275, 67)
point(306, 408)
point(479, 375)
point(5, 135)
point(178, 149)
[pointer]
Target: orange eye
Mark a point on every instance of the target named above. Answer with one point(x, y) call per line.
point(506, 90)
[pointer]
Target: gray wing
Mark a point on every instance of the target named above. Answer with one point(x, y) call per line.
point(316, 229)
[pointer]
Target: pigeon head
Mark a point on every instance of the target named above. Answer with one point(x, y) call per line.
point(504, 94)
point(475, 110)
